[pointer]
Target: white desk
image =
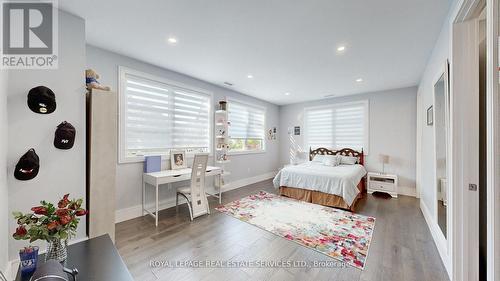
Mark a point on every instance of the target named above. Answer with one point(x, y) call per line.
point(168, 177)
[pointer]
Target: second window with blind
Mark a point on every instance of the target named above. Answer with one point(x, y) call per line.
point(157, 115)
point(337, 126)
point(247, 127)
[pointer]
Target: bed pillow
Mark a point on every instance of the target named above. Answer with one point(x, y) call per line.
point(331, 160)
point(318, 158)
point(348, 160)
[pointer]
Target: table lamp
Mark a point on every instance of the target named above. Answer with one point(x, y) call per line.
point(385, 160)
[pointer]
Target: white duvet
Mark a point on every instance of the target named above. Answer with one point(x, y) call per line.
point(340, 180)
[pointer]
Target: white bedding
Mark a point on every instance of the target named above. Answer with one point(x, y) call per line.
point(340, 180)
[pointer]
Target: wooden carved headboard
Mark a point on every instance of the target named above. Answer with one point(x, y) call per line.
point(344, 151)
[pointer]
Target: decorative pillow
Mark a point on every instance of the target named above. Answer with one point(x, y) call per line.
point(331, 160)
point(348, 160)
point(318, 158)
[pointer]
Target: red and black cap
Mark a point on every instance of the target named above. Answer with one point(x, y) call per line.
point(42, 100)
point(28, 166)
point(65, 136)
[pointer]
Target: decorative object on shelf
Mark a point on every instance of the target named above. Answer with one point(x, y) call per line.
point(384, 159)
point(53, 223)
point(223, 105)
point(296, 130)
point(91, 80)
point(152, 164)
point(42, 100)
point(52, 270)
point(65, 136)
point(430, 116)
point(222, 157)
point(222, 132)
point(178, 159)
point(28, 257)
point(28, 165)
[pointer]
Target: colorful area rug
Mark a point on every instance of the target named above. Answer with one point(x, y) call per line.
point(339, 234)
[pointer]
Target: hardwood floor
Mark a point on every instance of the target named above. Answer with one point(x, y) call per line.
point(401, 249)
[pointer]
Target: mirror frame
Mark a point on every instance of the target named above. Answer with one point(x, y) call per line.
point(444, 72)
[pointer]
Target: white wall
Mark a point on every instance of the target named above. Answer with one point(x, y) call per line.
point(392, 131)
point(4, 211)
point(129, 176)
point(61, 171)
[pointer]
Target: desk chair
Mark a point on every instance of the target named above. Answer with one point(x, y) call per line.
point(195, 194)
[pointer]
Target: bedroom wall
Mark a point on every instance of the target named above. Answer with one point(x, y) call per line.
point(60, 172)
point(392, 131)
point(4, 207)
point(244, 168)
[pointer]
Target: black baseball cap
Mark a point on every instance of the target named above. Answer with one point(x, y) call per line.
point(42, 100)
point(28, 166)
point(65, 136)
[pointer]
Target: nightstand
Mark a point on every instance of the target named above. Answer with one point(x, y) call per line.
point(383, 183)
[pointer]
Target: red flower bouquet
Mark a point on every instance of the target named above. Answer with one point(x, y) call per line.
point(48, 222)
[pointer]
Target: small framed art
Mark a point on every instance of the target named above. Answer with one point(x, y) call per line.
point(178, 159)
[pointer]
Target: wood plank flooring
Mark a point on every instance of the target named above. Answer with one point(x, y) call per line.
point(401, 249)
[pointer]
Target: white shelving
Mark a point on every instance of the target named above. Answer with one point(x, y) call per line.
point(221, 142)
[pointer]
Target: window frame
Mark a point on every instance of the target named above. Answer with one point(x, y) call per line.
point(123, 158)
point(366, 105)
point(264, 140)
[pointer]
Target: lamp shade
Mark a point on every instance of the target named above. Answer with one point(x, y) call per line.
point(384, 158)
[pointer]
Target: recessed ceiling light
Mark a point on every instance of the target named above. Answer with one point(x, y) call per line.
point(250, 76)
point(340, 48)
point(287, 94)
point(329, 96)
point(172, 40)
point(359, 80)
point(228, 84)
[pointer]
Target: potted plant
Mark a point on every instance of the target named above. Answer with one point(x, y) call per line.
point(52, 223)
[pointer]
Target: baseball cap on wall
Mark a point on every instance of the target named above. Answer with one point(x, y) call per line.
point(28, 166)
point(65, 136)
point(42, 100)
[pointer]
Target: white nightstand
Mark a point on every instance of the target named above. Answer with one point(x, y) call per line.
point(383, 183)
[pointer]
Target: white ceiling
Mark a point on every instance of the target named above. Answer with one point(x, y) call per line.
point(288, 46)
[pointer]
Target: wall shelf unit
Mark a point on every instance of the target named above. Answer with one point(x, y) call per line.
point(221, 143)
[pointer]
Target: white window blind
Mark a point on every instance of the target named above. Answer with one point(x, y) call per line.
point(247, 126)
point(338, 126)
point(157, 117)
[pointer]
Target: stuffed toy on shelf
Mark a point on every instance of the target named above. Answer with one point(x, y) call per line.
point(91, 80)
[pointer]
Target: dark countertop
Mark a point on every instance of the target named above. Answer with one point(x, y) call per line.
point(96, 259)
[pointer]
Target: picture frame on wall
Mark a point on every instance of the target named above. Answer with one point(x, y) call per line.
point(296, 130)
point(430, 116)
point(178, 159)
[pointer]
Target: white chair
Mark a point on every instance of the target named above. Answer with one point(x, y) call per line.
point(195, 194)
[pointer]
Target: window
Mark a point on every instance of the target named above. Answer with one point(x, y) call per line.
point(156, 116)
point(337, 126)
point(246, 130)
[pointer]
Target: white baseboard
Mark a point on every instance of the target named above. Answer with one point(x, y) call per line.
point(408, 191)
point(438, 237)
point(136, 211)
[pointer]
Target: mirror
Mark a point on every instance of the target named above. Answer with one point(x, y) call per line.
point(440, 122)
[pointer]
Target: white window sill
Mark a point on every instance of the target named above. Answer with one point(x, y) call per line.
point(246, 152)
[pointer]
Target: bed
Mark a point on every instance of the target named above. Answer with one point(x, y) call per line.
point(338, 186)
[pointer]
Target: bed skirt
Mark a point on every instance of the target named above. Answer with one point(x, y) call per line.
point(318, 197)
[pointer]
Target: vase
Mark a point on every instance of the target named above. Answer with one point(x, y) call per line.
point(57, 249)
